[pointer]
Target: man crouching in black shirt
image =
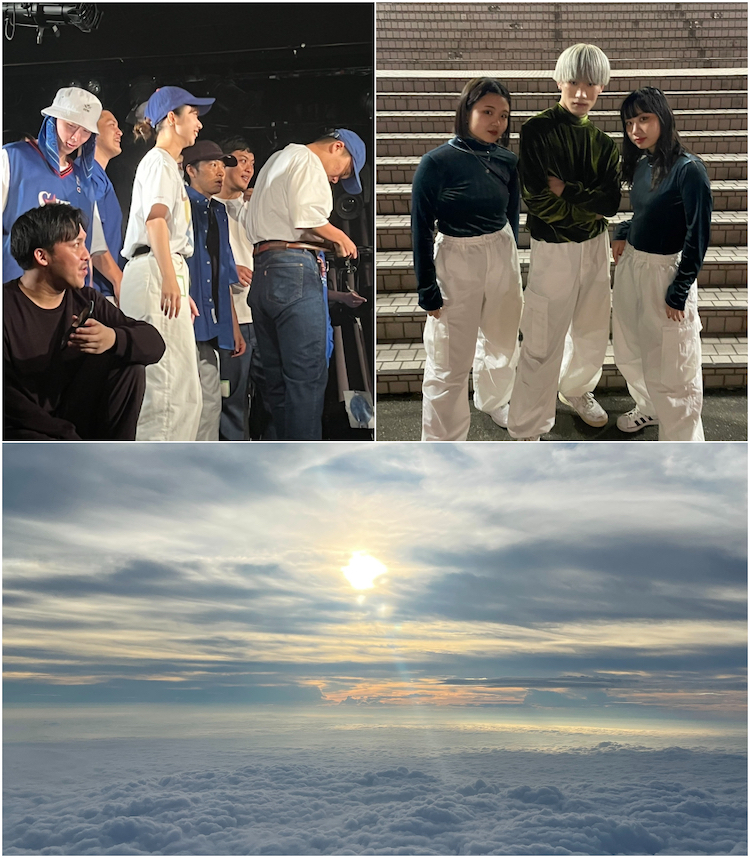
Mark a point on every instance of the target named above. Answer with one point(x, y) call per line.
point(73, 364)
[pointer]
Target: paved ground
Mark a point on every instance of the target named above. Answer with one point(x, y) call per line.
point(724, 419)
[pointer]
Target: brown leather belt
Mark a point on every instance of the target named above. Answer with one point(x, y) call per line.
point(263, 246)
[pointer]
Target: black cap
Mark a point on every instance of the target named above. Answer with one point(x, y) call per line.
point(206, 150)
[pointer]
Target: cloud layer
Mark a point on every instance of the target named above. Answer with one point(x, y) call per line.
point(610, 800)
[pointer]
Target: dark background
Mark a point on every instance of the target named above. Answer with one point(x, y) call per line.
point(280, 72)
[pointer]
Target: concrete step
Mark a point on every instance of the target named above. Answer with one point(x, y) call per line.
point(524, 16)
point(449, 79)
point(699, 142)
point(729, 196)
point(399, 170)
point(727, 228)
point(400, 319)
point(462, 58)
point(723, 266)
point(441, 121)
point(702, 99)
point(400, 366)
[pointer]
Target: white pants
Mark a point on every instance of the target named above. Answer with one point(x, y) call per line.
point(172, 402)
point(480, 281)
point(568, 291)
point(208, 371)
point(659, 358)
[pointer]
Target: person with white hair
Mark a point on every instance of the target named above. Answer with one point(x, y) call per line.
point(56, 168)
point(569, 171)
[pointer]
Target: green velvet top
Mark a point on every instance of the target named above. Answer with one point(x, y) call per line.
point(557, 143)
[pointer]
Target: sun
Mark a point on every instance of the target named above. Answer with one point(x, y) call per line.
point(363, 570)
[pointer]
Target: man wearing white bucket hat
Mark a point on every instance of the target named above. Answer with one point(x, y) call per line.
point(56, 168)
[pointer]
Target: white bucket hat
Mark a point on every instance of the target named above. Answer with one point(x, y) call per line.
point(76, 105)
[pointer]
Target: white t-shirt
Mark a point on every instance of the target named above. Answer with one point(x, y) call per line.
point(242, 250)
point(158, 180)
point(292, 195)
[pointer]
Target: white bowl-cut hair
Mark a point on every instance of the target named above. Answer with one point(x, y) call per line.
point(583, 62)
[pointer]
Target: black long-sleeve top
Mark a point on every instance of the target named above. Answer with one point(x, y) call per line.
point(468, 188)
point(675, 216)
point(571, 148)
point(37, 367)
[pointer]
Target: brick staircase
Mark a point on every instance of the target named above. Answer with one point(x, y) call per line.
point(426, 52)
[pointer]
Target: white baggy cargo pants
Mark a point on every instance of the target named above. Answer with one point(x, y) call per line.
point(659, 358)
point(480, 281)
point(568, 289)
point(172, 403)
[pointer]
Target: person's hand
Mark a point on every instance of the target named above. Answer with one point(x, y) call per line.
point(434, 313)
point(92, 338)
point(245, 275)
point(170, 297)
point(557, 186)
point(351, 299)
point(193, 309)
point(675, 315)
point(346, 247)
point(617, 249)
point(240, 346)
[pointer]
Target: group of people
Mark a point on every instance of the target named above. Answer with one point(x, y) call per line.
point(466, 198)
point(165, 342)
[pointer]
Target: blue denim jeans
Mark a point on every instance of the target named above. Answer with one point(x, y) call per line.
point(244, 375)
point(290, 319)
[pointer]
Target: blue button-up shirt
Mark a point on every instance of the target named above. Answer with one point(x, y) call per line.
point(213, 321)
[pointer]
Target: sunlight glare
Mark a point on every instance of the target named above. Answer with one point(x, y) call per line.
point(363, 570)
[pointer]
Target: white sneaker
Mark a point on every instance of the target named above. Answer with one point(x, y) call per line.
point(587, 408)
point(634, 420)
point(500, 415)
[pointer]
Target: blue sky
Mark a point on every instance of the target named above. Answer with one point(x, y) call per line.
point(600, 577)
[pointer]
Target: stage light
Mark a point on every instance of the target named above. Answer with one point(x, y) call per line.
point(50, 16)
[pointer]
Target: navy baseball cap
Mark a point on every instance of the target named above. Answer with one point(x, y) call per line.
point(356, 148)
point(170, 98)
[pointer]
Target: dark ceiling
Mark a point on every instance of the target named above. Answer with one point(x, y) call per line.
point(268, 65)
point(280, 72)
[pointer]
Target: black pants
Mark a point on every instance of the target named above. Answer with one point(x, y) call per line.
point(104, 398)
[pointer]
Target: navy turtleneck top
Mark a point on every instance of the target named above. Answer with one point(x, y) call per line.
point(467, 188)
point(675, 216)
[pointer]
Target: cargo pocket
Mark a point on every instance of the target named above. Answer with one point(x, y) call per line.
point(534, 324)
point(436, 341)
point(680, 355)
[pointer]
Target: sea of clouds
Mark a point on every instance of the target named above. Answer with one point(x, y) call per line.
point(133, 797)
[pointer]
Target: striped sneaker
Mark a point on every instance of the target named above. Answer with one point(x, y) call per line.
point(633, 421)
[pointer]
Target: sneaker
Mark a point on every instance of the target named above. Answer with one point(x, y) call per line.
point(634, 420)
point(587, 408)
point(500, 415)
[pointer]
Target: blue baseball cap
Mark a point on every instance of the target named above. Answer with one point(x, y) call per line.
point(170, 98)
point(356, 148)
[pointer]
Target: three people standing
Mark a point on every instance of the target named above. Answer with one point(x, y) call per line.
point(570, 181)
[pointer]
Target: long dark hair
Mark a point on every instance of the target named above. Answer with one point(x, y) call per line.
point(472, 92)
point(668, 148)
